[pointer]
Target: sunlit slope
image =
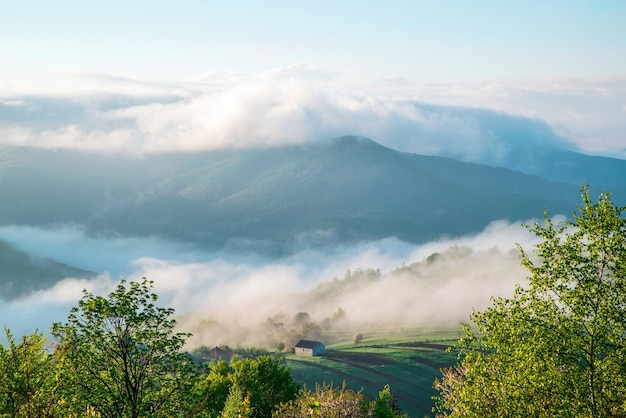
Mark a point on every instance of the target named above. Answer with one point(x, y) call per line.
point(329, 191)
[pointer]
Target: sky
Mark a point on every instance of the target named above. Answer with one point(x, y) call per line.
point(418, 40)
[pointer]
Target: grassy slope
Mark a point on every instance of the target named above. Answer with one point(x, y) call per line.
point(409, 361)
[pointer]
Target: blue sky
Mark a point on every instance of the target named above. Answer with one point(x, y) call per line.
point(417, 40)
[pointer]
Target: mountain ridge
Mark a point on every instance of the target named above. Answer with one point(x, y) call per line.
point(267, 201)
point(346, 189)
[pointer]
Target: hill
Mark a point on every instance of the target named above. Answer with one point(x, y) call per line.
point(341, 190)
point(570, 167)
point(22, 273)
point(407, 360)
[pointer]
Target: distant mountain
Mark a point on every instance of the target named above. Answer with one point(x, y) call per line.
point(570, 167)
point(21, 273)
point(340, 190)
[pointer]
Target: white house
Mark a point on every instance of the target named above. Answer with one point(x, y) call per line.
point(309, 348)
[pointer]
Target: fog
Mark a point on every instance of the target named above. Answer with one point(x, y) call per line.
point(481, 122)
point(227, 298)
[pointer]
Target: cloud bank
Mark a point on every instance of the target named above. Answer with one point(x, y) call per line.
point(227, 299)
point(473, 122)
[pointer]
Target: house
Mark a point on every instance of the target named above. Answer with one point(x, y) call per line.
point(309, 348)
point(217, 353)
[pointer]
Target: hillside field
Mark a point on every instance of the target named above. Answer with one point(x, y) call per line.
point(407, 360)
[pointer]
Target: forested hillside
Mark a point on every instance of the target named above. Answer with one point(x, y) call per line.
point(343, 190)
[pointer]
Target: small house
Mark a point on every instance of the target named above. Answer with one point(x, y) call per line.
point(217, 353)
point(309, 348)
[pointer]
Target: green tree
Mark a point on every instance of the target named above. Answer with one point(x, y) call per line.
point(213, 389)
point(28, 377)
point(557, 348)
point(326, 401)
point(267, 381)
point(256, 386)
point(386, 405)
point(237, 405)
point(123, 358)
point(338, 402)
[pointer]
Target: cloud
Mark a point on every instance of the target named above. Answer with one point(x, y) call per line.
point(474, 122)
point(38, 310)
point(587, 112)
point(71, 245)
point(226, 298)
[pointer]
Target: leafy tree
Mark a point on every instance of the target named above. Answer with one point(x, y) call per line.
point(123, 358)
point(267, 381)
point(237, 405)
point(385, 406)
point(326, 401)
point(213, 390)
point(253, 386)
point(557, 348)
point(28, 377)
point(338, 402)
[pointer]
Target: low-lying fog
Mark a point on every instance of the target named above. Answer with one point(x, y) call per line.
point(250, 300)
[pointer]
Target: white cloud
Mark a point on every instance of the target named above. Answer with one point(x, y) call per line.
point(240, 292)
point(303, 103)
point(589, 112)
point(71, 245)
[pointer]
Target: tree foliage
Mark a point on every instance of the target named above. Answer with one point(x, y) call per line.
point(337, 402)
point(123, 357)
point(119, 356)
point(256, 386)
point(557, 348)
point(28, 377)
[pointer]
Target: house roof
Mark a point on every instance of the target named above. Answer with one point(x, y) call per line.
point(308, 344)
point(217, 350)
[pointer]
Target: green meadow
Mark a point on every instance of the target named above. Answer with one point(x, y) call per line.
point(407, 360)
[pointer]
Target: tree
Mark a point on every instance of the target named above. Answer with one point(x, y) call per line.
point(386, 405)
point(338, 402)
point(123, 358)
point(267, 381)
point(557, 348)
point(237, 405)
point(252, 387)
point(326, 401)
point(28, 377)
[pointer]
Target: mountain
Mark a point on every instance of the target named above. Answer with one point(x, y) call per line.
point(570, 167)
point(340, 190)
point(22, 273)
